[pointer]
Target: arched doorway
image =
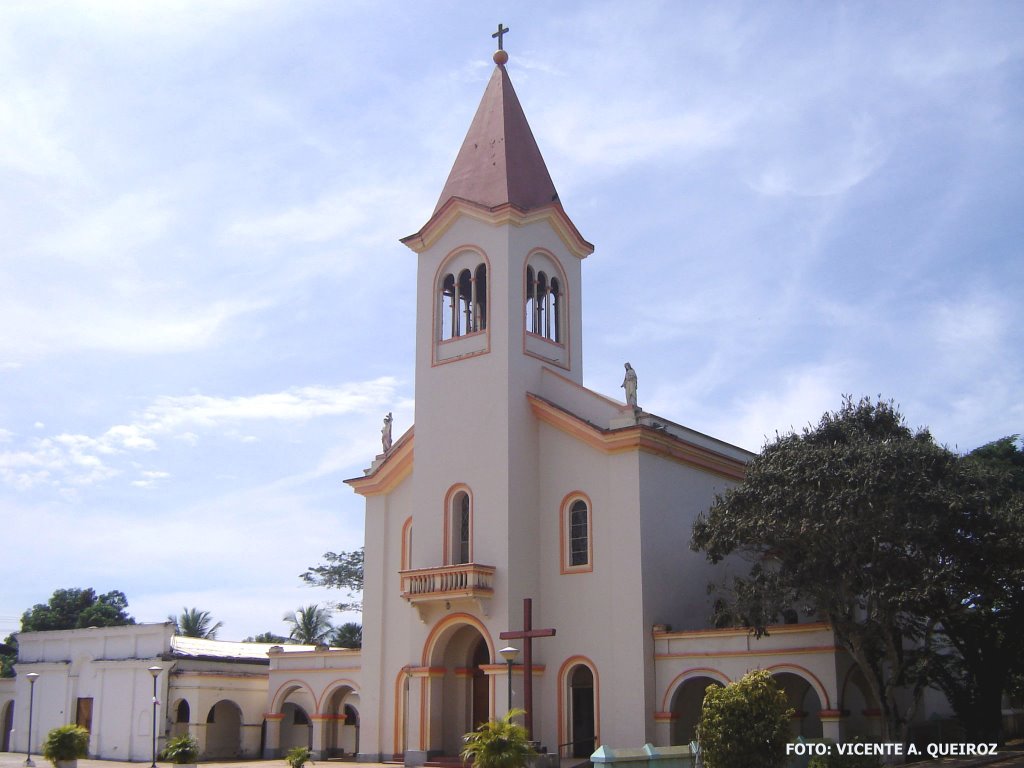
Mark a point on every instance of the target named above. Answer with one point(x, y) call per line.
point(7, 723)
point(803, 698)
point(460, 699)
point(223, 730)
point(687, 702)
point(582, 721)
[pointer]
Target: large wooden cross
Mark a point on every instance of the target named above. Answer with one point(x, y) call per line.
point(527, 634)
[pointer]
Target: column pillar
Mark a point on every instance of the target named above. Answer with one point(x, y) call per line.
point(831, 724)
point(321, 724)
point(272, 746)
point(663, 723)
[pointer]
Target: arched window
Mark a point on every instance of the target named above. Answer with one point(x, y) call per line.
point(462, 305)
point(406, 558)
point(577, 535)
point(544, 301)
point(460, 528)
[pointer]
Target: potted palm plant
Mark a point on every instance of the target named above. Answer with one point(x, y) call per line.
point(181, 750)
point(298, 757)
point(65, 744)
point(499, 744)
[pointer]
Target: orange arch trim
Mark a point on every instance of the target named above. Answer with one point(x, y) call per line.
point(448, 621)
point(808, 677)
point(288, 687)
point(690, 674)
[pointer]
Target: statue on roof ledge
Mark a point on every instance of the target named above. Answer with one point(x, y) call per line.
point(629, 384)
point(385, 433)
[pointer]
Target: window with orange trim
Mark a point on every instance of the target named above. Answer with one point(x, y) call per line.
point(577, 535)
point(407, 544)
point(460, 528)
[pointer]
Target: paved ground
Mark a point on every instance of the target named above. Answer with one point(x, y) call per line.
point(1006, 759)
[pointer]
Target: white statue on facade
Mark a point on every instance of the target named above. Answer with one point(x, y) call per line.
point(385, 433)
point(629, 384)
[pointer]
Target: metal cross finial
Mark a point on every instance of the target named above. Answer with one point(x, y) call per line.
point(500, 34)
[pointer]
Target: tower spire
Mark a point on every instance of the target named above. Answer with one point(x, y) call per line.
point(499, 161)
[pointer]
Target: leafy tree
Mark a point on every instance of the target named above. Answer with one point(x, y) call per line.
point(499, 744)
point(851, 520)
point(8, 656)
point(267, 637)
point(348, 635)
point(983, 618)
point(744, 724)
point(195, 623)
point(311, 625)
point(77, 608)
point(342, 570)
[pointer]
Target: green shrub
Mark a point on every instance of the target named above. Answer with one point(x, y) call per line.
point(66, 742)
point(298, 757)
point(181, 750)
point(745, 724)
point(498, 744)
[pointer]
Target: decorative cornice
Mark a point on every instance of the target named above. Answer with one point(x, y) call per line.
point(392, 469)
point(638, 437)
point(504, 214)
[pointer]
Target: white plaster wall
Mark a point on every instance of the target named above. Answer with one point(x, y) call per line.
point(109, 665)
point(597, 614)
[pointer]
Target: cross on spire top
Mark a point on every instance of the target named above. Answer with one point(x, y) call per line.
point(500, 34)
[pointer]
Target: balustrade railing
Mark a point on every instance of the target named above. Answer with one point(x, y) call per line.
point(470, 579)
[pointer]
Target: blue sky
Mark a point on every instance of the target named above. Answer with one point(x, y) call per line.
point(206, 311)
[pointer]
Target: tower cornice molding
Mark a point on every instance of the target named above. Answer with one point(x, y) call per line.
point(501, 215)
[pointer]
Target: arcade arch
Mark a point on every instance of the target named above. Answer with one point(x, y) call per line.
point(340, 711)
point(687, 699)
point(223, 730)
point(802, 696)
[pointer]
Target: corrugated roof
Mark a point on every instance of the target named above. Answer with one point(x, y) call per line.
point(194, 647)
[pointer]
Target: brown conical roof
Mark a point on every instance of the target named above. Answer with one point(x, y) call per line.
point(499, 161)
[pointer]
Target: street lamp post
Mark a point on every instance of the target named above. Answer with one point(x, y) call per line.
point(31, 677)
point(155, 672)
point(509, 655)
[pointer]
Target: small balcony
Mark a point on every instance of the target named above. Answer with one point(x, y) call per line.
point(447, 586)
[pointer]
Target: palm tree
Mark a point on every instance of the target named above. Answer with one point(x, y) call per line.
point(348, 635)
point(311, 625)
point(499, 744)
point(195, 623)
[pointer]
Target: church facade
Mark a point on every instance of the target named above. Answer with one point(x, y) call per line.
point(519, 485)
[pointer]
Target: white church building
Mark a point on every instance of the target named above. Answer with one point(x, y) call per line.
point(516, 483)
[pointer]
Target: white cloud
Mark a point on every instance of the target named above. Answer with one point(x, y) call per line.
point(82, 460)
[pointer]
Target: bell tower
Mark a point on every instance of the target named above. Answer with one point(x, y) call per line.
point(498, 300)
